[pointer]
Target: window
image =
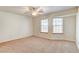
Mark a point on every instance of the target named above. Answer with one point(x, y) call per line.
point(58, 25)
point(44, 25)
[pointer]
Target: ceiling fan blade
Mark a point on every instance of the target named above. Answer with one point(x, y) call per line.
point(41, 12)
point(26, 12)
point(38, 9)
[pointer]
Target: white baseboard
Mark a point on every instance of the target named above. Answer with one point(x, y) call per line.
point(19, 37)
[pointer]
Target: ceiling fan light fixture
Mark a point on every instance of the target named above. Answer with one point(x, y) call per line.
point(34, 13)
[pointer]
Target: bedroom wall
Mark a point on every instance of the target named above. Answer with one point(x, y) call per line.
point(77, 29)
point(69, 26)
point(14, 26)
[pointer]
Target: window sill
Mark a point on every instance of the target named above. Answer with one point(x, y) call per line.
point(57, 33)
point(44, 32)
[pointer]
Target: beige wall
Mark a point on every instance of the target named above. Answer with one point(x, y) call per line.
point(77, 29)
point(69, 26)
point(14, 26)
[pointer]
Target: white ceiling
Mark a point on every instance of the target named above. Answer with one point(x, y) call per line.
point(22, 9)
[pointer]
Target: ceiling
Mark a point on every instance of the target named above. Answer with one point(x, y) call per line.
point(22, 9)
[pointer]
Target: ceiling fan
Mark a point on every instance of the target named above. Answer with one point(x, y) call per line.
point(34, 10)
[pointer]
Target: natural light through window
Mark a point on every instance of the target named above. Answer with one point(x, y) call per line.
point(57, 25)
point(44, 25)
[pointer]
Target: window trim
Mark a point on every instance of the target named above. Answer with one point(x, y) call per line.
point(40, 26)
point(52, 26)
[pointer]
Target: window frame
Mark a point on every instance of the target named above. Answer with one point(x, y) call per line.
point(57, 25)
point(41, 25)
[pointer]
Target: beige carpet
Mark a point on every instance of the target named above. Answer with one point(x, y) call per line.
point(37, 45)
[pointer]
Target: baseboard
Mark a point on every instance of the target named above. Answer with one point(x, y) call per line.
point(21, 37)
point(53, 39)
